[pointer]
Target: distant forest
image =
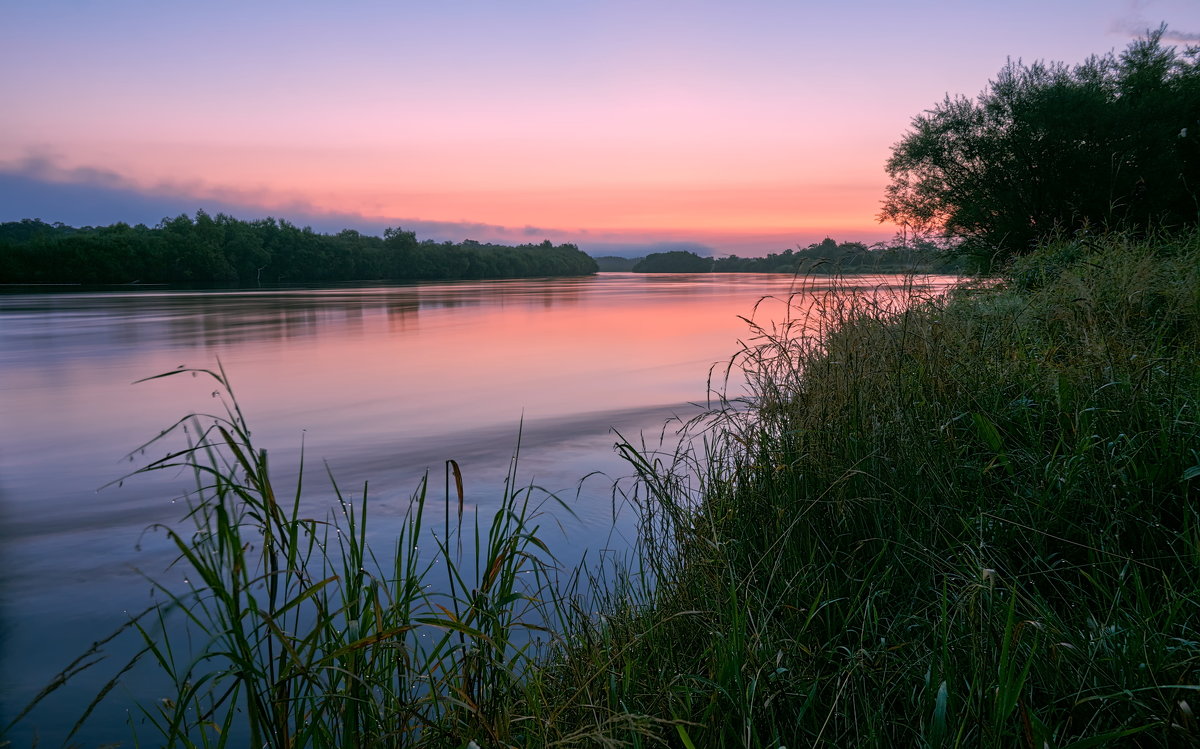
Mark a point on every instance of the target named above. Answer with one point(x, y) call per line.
point(827, 256)
point(222, 249)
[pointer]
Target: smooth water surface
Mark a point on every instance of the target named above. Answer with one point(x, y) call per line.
point(381, 383)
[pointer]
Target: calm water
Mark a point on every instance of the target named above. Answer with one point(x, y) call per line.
point(381, 383)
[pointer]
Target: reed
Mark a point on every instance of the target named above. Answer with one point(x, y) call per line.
point(292, 632)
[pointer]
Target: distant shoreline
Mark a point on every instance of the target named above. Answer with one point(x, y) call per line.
point(224, 250)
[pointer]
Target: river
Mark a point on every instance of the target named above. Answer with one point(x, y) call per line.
point(379, 383)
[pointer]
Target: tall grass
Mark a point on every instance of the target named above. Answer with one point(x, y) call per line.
point(291, 632)
point(970, 520)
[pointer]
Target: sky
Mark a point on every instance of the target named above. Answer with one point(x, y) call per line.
point(624, 127)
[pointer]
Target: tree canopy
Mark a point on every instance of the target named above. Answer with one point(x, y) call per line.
point(827, 256)
point(676, 261)
point(832, 257)
point(1113, 142)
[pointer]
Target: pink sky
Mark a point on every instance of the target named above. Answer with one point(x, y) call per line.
point(741, 127)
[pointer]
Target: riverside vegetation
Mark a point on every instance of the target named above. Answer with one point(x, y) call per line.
point(969, 520)
point(827, 257)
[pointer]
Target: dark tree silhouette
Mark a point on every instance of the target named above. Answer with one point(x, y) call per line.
point(1113, 143)
point(222, 249)
point(676, 261)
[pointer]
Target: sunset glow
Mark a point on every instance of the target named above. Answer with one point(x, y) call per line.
point(737, 128)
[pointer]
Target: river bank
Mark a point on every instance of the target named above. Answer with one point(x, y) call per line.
point(973, 522)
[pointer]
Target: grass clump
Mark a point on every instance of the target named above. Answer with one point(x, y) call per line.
point(289, 630)
point(970, 520)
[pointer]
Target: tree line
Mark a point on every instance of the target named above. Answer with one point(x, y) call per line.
point(223, 249)
point(826, 256)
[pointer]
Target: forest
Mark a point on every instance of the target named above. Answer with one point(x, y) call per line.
point(825, 257)
point(225, 250)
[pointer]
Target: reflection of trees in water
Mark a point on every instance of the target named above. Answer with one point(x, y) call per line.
point(275, 317)
point(402, 313)
point(543, 293)
point(107, 323)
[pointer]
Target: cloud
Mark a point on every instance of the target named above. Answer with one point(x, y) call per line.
point(1140, 29)
point(37, 186)
point(1184, 37)
point(1134, 23)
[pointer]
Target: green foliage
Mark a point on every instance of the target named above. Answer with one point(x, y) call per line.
point(826, 257)
point(223, 249)
point(961, 521)
point(676, 261)
point(615, 263)
point(831, 257)
point(1045, 148)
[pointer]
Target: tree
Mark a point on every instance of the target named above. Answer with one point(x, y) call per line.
point(676, 261)
point(1113, 142)
point(225, 249)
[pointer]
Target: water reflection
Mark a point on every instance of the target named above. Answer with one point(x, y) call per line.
point(54, 326)
point(221, 318)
